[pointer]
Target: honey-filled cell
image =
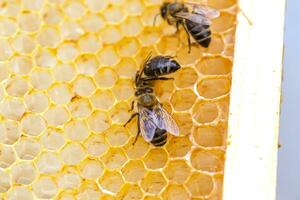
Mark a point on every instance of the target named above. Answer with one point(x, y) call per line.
point(67, 81)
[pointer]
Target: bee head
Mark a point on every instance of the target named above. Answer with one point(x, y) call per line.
point(164, 10)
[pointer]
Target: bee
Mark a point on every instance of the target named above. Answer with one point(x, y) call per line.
point(153, 120)
point(195, 19)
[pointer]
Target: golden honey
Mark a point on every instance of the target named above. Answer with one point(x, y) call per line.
point(66, 72)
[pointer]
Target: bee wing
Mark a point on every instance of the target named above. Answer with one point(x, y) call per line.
point(165, 121)
point(147, 124)
point(204, 10)
point(194, 17)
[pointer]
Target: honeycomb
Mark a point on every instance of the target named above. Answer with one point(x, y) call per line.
point(66, 72)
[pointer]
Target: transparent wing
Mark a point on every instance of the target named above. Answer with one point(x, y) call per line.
point(194, 17)
point(165, 121)
point(203, 10)
point(147, 124)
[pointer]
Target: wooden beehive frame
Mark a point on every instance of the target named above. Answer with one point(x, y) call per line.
point(251, 161)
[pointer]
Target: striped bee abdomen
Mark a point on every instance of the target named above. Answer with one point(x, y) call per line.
point(201, 33)
point(160, 137)
point(160, 65)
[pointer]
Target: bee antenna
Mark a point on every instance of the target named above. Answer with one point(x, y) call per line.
point(155, 18)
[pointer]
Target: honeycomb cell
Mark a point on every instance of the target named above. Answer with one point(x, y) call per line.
point(8, 27)
point(132, 26)
point(213, 88)
point(92, 22)
point(6, 50)
point(184, 122)
point(177, 171)
point(153, 182)
point(99, 121)
point(223, 105)
point(186, 58)
point(33, 5)
point(126, 68)
point(119, 113)
point(20, 192)
point(209, 136)
point(45, 58)
point(114, 158)
point(64, 72)
point(217, 44)
point(149, 14)
point(207, 160)
point(45, 187)
point(48, 163)
point(41, 79)
point(156, 158)
point(117, 135)
point(134, 7)
point(69, 179)
point(164, 91)
point(111, 34)
point(179, 146)
point(175, 192)
point(134, 171)
point(72, 154)
point(185, 77)
point(214, 65)
point(33, 124)
point(76, 130)
point(7, 156)
point(106, 77)
point(9, 132)
point(91, 169)
point(123, 89)
point(21, 65)
point(60, 93)
point(27, 148)
point(74, 9)
point(10, 9)
point(128, 47)
point(218, 189)
point(89, 190)
point(138, 150)
point(113, 14)
point(183, 99)
point(200, 184)
point(96, 145)
point(103, 99)
point(29, 21)
point(23, 173)
point(205, 112)
point(4, 71)
point(12, 108)
point(52, 139)
point(48, 37)
point(87, 64)
point(149, 36)
point(5, 182)
point(95, 5)
point(224, 22)
point(71, 30)
point(84, 86)
point(79, 107)
point(90, 43)
point(130, 192)
point(52, 14)
point(168, 45)
point(16, 86)
point(67, 51)
point(111, 181)
point(108, 56)
point(221, 4)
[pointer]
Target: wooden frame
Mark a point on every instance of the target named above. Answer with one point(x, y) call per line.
point(251, 156)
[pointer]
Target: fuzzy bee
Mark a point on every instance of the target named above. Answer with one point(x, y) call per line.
point(153, 120)
point(195, 19)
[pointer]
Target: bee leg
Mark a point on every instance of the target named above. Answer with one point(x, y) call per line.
point(132, 107)
point(177, 26)
point(189, 38)
point(131, 118)
point(139, 131)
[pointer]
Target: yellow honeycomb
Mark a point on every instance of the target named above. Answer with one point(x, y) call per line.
point(66, 84)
